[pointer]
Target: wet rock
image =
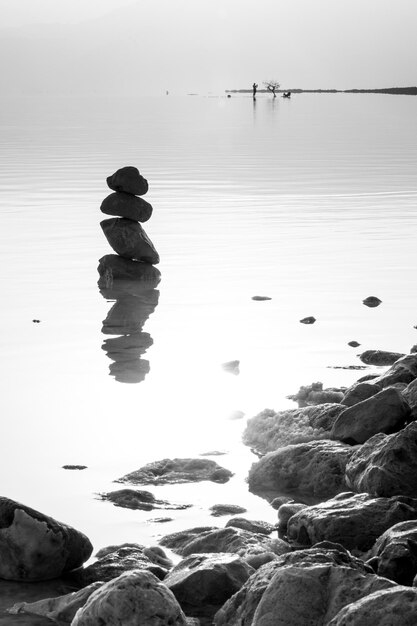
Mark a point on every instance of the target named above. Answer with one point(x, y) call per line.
point(135, 597)
point(394, 553)
point(253, 526)
point(129, 180)
point(380, 357)
point(309, 472)
point(113, 268)
point(218, 510)
point(279, 501)
point(260, 298)
point(354, 344)
point(203, 582)
point(34, 546)
point(386, 465)
point(308, 320)
point(119, 560)
point(315, 394)
point(410, 396)
point(359, 392)
point(60, 609)
point(403, 371)
point(372, 301)
point(240, 609)
point(172, 471)
point(285, 512)
point(140, 499)
point(385, 412)
point(233, 540)
point(129, 240)
point(354, 521)
point(232, 367)
point(125, 205)
point(270, 430)
point(389, 607)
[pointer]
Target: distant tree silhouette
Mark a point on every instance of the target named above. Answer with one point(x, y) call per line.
point(272, 86)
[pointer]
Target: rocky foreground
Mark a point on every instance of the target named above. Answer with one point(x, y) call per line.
point(343, 478)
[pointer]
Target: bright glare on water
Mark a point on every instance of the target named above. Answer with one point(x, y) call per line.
point(309, 201)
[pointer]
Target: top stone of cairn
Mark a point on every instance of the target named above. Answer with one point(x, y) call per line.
point(129, 180)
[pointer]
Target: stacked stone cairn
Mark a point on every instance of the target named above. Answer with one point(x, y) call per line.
point(129, 277)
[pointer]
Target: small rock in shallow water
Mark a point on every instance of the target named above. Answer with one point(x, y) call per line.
point(172, 471)
point(231, 366)
point(371, 301)
point(380, 357)
point(308, 320)
point(74, 467)
point(140, 499)
point(261, 298)
point(354, 344)
point(217, 510)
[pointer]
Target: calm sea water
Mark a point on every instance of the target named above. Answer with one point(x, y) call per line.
point(311, 202)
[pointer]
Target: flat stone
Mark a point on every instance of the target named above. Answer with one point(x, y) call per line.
point(125, 205)
point(309, 472)
point(172, 471)
point(354, 521)
point(129, 240)
point(389, 607)
point(34, 546)
point(380, 357)
point(129, 180)
point(134, 598)
point(74, 467)
point(218, 510)
point(140, 499)
point(386, 465)
point(385, 412)
point(113, 268)
point(261, 298)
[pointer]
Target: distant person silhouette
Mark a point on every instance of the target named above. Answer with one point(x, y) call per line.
point(254, 88)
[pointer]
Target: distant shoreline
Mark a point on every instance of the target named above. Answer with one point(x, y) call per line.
point(408, 91)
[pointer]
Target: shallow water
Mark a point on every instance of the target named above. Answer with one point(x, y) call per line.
point(310, 201)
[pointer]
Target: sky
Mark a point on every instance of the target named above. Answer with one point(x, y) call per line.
point(140, 47)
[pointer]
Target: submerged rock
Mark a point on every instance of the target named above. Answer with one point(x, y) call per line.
point(125, 205)
point(354, 521)
point(134, 598)
point(386, 465)
point(309, 472)
point(129, 240)
point(380, 357)
point(34, 546)
point(217, 510)
point(261, 298)
point(129, 180)
point(171, 471)
point(232, 367)
point(140, 499)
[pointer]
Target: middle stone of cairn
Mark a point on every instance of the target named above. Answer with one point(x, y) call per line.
point(124, 233)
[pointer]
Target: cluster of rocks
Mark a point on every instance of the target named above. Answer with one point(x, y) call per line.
point(129, 277)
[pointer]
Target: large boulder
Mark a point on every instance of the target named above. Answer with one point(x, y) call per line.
point(313, 594)
point(239, 610)
point(172, 471)
point(394, 554)
point(410, 395)
point(232, 540)
point(117, 560)
point(270, 430)
point(34, 546)
point(125, 205)
point(309, 472)
point(386, 465)
point(129, 240)
point(355, 521)
point(380, 357)
point(113, 268)
point(389, 607)
point(58, 610)
point(135, 598)
point(128, 179)
point(203, 582)
point(403, 371)
point(358, 392)
point(385, 412)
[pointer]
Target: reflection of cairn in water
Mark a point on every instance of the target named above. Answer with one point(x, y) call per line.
point(129, 277)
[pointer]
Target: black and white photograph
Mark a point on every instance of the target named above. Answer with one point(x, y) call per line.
point(208, 337)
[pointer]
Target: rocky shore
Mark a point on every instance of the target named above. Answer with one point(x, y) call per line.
point(339, 470)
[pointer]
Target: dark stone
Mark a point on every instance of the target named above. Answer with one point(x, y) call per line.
point(34, 546)
point(113, 268)
point(129, 180)
point(271, 430)
point(308, 320)
point(410, 395)
point(386, 465)
point(403, 371)
point(359, 392)
point(140, 499)
point(285, 512)
point(372, 301)
point(260, 298)
point(74, 467)
point(385, 412)
point(172, 471)
point(129, 240)
point(125, 205)
point(396, 553)
point(254, 526)
point(309, 472)
point(203, 582)
point(380, 357)
point(389, 607)
point(355, 521)
point(218, 510)
point(354, 344)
